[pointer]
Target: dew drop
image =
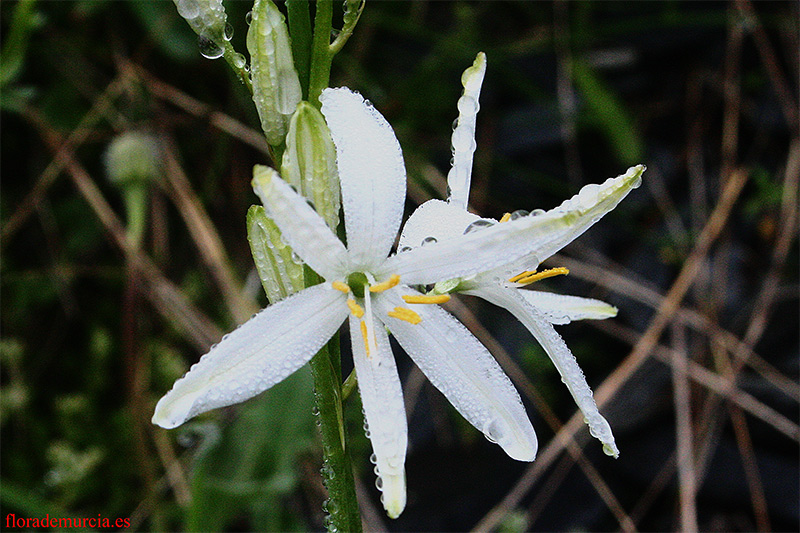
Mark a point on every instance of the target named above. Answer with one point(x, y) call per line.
point(404, 249)
point(379, 483)
point(248, 18)
point(188, 9)
point(239, 61)
point(537, 212)
point(373, 459)
point(519, 213)
point(227, 34)
point(208, 48)
point(428, 240)
point(478, 225)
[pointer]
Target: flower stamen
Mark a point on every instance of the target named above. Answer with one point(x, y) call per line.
point(356, 309)
point(426, 299)
point(403, 313)
point(393, 280)
point(529, 276)
point(365, 335)
point(342, 287)
point(506, 217)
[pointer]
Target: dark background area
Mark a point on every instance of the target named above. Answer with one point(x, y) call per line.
point(704, 93)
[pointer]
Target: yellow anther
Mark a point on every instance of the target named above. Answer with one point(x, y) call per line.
point(339, 286)
point(402, 313)
point(393, 280)
point(522, 275)
point(544, 274)
point(506, 217)
point(365, 336)
point(423, 299)
point(356, 309)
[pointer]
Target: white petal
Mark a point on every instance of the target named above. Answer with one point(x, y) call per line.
point(441, 220)
point(371, 172)
point(458, 180)
point(530, 239)
point(560, 354)
point(302, 228)
point(458, 365)
point(382, 399)
point(581, 212)
point(260, 353)
point(563, 309)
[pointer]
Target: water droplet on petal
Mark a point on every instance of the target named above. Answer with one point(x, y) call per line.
point(537, 212)
point(519, 213)
point(248, 18)
point(208, 48)
point(428, 240)
point(228, 32)
point(478, 225)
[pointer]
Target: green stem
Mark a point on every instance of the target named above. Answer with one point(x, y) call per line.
point(352, 13)
point(321, 55)
point(300, 32)
point(349, 385)
point(337, 470)
point(236, 61)
point(136, 205)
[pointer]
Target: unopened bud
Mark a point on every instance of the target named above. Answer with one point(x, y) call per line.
point(309, 162)
point(133, 157)
point(276, 86)
point(281, 275)
point(133, 161)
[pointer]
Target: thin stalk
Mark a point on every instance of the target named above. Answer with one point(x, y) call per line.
point(337, 469)
point(300, 32)
point(321, 55)
point(237, 63)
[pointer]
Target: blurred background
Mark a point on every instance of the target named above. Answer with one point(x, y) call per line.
point(698, 375)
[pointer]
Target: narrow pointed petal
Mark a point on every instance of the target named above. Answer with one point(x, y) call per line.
point(560, 354)
point(371, 172)
point(530, 239)
point(302, 228)
point(464, 371)
point(382, 399)
point(260, 353)
point(581, 211)
point(460, 176)
point(563, 309)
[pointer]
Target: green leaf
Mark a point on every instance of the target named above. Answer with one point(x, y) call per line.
point(251, 467)
point(609, 113)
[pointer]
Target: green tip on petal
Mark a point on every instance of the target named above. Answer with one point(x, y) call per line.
point(262, 179)
point(611, 450)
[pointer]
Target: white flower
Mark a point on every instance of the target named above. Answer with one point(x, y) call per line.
point(502, 285)
point(374, 293)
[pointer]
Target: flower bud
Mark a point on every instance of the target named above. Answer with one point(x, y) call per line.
point(309, 162)
point(208, 20)
point(133, 161)
point(133, 157)
point(281, 275)
point(276, 86)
